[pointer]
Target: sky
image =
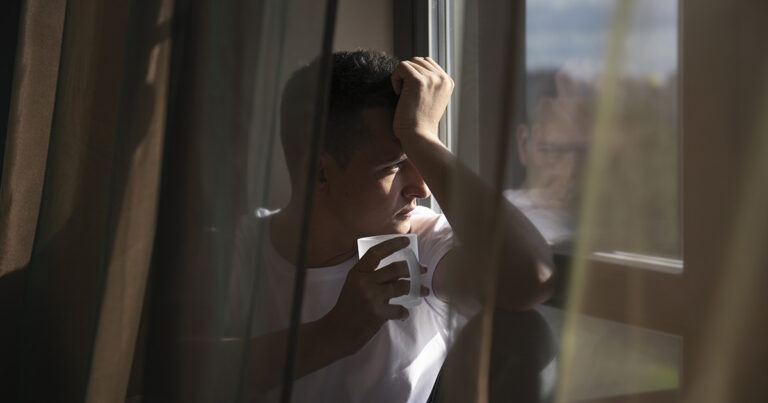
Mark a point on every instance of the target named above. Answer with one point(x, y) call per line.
point(571, 35)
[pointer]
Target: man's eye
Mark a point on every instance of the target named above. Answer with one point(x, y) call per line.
point(394, 167)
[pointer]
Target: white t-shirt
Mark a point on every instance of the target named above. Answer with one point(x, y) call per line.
point(554, 225)
point(399, 364)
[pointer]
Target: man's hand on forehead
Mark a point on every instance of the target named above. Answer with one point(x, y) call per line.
point(424, 90)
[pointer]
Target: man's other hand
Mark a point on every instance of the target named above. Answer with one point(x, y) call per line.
point(424, 90)
point(363, 304)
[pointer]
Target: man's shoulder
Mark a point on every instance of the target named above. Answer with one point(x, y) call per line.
point(421, 211)
point(427, 223)
point(425, 216)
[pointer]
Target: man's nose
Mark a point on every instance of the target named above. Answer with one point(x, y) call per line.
point(415, 187)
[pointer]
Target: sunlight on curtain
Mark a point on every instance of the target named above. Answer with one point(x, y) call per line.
point(737, 299)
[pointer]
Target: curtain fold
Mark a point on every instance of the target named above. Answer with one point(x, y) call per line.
point(135, 187)
point(29, 123)
point(34, 89)
point(229, 63)
point(203, 187)
point(222, 161)
point(101, 102)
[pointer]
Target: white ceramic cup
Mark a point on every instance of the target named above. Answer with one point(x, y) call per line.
point(409, 254)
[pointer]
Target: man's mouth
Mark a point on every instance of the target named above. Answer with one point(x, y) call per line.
point(406, 211)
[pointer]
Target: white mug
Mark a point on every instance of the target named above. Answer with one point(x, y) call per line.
point(409, 254)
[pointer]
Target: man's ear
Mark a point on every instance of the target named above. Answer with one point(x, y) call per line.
point(522, 134)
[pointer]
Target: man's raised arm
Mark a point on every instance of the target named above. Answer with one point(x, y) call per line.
point(481, 218)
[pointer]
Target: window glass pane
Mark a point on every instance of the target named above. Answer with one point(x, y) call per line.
point(580, 86)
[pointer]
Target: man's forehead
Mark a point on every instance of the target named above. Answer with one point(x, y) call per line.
point(378, 119)
point(382, 146)
point(381, 152)
point(562, 131)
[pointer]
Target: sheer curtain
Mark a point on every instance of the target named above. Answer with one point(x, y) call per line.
point(223, 161)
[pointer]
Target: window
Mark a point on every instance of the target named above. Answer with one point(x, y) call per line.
point(697, 158)
point(592, 158)
point(609, 69)
point(577, 85)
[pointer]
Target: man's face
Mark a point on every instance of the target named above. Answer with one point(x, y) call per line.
point(378, 188)
point(553, 152)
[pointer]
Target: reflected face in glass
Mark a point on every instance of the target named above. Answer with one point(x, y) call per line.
point(552, 151)
point(377, 190)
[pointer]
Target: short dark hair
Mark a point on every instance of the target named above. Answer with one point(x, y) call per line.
point(543, 86)
point(359, 79)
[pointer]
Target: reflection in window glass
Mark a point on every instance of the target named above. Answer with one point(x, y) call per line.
point(566, 52)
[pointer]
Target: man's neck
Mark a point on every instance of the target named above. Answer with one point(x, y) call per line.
point(325, 246)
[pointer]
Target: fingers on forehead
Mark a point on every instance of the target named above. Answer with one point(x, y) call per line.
point(434, 63)
point(406, 67)
point(422, 66)
point(422, 62)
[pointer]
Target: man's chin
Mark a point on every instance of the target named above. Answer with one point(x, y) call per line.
point(402, 226)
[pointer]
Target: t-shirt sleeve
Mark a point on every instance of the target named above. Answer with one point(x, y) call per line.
point(435, 240)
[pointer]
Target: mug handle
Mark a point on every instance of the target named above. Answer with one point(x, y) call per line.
point(414, 269)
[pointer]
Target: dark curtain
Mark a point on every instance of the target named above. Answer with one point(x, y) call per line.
point(81, 178)
point(204, 191)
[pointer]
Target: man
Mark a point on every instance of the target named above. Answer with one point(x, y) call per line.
point(380, 153)
point(551, 147)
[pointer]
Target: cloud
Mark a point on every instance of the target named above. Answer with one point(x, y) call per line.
point(575, 32)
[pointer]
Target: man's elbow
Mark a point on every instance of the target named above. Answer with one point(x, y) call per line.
point(544, 286)
point(535, 288)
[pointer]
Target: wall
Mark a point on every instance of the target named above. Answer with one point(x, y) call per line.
point(359, 24)
point(364, 24)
